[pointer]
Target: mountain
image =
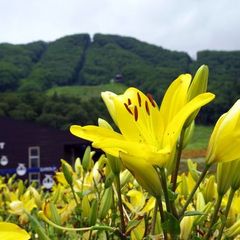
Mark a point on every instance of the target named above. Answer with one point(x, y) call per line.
point(79, 60)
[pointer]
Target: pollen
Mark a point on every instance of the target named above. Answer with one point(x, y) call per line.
point(139, 99)
point(135, 113)
point(147, 108)
point(128, 109)
point(150, 97)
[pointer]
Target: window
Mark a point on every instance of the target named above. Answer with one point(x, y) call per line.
point(34, 162)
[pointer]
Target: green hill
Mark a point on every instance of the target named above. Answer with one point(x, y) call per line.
point(78, 61)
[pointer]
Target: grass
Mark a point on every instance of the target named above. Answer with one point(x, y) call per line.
point(200, 137)
point(198, 145)
point(87, 92)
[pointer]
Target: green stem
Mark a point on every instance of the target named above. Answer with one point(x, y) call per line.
point(214, 217)
point(203, 174)
point(90, 235)
point(74, 195)
point(165, 188)
point(229, 203)
point(159, 201)
point(96, 227)
point(120, 204)
point(154, 218)
point(177, 160)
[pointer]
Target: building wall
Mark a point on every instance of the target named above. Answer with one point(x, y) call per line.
point(17, 136)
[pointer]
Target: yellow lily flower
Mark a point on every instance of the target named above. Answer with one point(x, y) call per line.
point(225, 140)
point(148, 134)
point(144, 131)
point(10, 231)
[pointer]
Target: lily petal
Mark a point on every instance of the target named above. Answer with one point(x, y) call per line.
point(10, 231)
point(175, 126)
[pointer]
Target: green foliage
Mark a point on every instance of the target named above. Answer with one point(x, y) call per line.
point(59, 64)
point(145, 66)
point(16, 62)
point(70, 65)
point(56, 110)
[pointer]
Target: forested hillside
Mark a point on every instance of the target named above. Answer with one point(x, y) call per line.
point(38, 68)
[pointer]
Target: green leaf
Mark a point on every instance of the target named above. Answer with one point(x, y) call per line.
point(171, 224)
point(132, 224)
point(172, 195)
point(38, 228)
point(193, 213)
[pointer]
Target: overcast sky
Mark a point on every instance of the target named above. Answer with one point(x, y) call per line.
point(184, 25)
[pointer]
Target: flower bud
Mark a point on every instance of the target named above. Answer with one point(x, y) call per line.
point(199, 82)
point(36, 196)
point(235, 181)
point(85, 207)
point(86, 161)
point(223, 178)
point(198, 85)
point(125, 177)
point(186, 227)
point(225, 141)
point(209, 190)
point(233, 230)
point(106, 202)
point(192, 168)
point(78, 167)
point(109, 180)
point(67, 172)
point(104, 123)
point(200, 203)
point(93, 213)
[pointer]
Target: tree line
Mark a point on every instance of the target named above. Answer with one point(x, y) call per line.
point(79, 60)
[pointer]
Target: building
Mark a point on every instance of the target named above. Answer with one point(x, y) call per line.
point(33, 151)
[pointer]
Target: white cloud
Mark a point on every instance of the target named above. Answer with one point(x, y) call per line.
point(187, 25)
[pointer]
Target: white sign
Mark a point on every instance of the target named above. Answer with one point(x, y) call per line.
point(3, 160)
point(21, 169)
point(48, 181)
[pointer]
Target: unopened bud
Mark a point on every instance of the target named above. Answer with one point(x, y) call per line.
point(106, 203)
point(93, 213)
point(86, 161)
point(67, 172)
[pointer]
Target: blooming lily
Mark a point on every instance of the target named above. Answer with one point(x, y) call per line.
point(147, 134)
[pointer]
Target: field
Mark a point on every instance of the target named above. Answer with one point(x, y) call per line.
point(87, 92)
point(198, 145)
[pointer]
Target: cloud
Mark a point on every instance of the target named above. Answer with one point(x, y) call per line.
point(187, 25)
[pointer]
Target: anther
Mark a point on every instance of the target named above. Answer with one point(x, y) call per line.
point(150, 97)
point(135, 113)
point(126, 106)
point(147, 108)
point(139, 99)
point(129, 101)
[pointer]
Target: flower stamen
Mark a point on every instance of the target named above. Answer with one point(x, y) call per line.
point(147, 108)
point(150, 97)
point(128, 109)
point(139, 99)
point(135, 113)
